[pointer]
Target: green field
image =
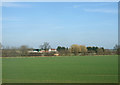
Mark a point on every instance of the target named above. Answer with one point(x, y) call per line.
point(69, 69)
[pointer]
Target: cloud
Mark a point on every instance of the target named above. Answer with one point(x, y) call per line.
point(13, 4)
point(76, 6)
point(94, 5)
point(97, 7)
point(12, 19)
point(101, 10)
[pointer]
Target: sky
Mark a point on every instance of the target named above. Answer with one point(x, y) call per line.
point(60, 24)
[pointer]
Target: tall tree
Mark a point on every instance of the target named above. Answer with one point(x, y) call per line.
point(117, 49)
point(83, 49)
point(100, 51)
point(23, 50)
point(63, 50)
point(92, 49)
point(75, 49)
point(45, 46)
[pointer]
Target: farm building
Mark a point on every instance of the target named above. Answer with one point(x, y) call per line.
point(39, 52)
point(42, 51)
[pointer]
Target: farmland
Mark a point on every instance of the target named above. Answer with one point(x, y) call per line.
point(60, 69)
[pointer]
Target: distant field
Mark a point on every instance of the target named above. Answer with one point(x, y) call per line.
point(70, 69)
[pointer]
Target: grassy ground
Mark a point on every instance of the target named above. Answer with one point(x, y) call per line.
point(71, 69)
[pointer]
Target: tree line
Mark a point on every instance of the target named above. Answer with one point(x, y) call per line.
point(15, 52)
point(75, 49)
point(83, 50)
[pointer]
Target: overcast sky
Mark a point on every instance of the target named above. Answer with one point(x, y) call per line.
point(60, 24)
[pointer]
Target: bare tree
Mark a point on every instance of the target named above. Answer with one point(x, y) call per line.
point(13, 52)
point(24, 50)
point(107, 52)
point(100, 51)
point(9, 51)
point(117, 49)
point(45, 46)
